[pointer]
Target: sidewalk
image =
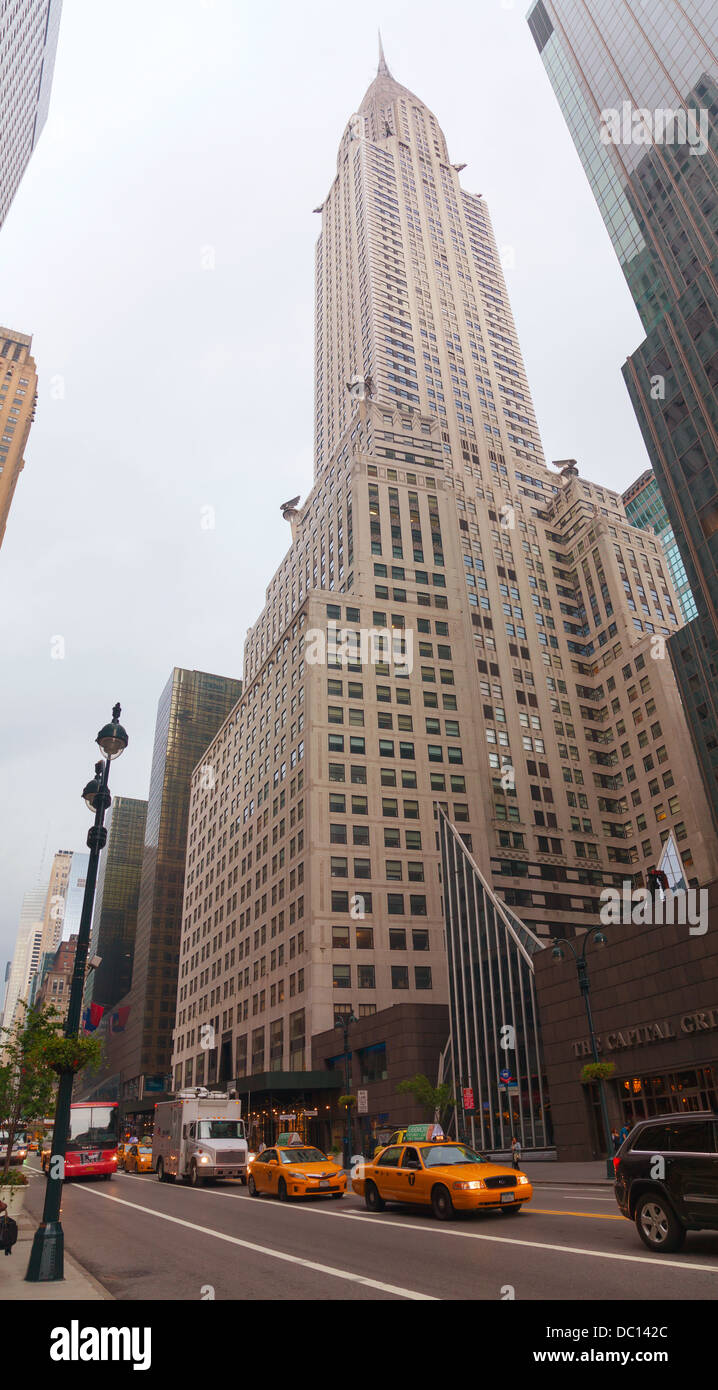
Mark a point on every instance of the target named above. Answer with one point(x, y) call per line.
point(78, 1285)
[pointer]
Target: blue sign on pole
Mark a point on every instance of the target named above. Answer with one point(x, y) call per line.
point(506, 1074)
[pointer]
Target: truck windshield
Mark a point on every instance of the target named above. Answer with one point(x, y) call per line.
point(221, 1129)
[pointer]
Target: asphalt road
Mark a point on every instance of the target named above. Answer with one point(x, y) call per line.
point(148, 1240)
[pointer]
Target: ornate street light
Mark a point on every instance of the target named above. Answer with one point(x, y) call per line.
point(599, 939)
point(47, 1254)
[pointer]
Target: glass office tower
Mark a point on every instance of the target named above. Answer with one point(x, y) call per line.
point(646, 509)
point(638, 86)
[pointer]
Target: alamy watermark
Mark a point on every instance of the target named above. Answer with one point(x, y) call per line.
point(641, 908)
point(346, 647)
point(637, 125)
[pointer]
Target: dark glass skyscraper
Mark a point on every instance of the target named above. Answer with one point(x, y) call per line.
point(638, 86)
point(646, 509)
point(118, 889)
point(138, 1030)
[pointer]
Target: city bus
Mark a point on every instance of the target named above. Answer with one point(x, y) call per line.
point(91, 1149)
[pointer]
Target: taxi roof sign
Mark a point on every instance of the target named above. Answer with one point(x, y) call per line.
point(290, 1137)
point(423, 1132)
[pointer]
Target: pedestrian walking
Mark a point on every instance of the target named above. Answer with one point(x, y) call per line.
point(623, 1134)
point(615, 1139)
point(515, 1152)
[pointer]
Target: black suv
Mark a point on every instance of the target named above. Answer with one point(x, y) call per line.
point(667, 1177)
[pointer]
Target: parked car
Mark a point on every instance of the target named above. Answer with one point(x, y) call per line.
point(667, 1178)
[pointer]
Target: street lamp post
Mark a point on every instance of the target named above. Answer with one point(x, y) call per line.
point(347, 1019)
point(585, 988)
point(47, 1255)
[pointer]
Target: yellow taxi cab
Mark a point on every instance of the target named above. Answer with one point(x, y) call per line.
point(294, 1169)
point(444, 1174)
point(138, 1158)
point(397, 1137)
point(45, 1152)
point(121, 1152)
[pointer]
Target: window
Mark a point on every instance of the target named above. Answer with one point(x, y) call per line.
point(365, 938)
point(420, 940)
point(422, 976)
point(397, 939)
point(400, 977)
point(340, 938)
point(395, 904)
point(366, 978)
point(337, 834)
point(342, 976)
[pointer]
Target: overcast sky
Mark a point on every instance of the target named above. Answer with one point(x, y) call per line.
point(186, 133)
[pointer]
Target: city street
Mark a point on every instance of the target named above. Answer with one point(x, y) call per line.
point(146, 1240)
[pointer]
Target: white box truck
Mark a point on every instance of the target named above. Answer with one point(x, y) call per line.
point(199, 1136)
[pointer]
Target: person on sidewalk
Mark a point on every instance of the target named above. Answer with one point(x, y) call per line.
point(623, 1134)
point(515, 1152)
point(615, 1140)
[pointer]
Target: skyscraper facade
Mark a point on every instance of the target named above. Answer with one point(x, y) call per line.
point(454, 623)
point(27, 953)
point(638, 86)
point(138, 1030)
point(28, 44)
point(114, 920)
point(18, 397)
point(646, 509)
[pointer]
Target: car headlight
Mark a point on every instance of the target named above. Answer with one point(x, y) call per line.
point(302, 1177)
point(523, 1180)
point(204, 1158)
point(466, 1186)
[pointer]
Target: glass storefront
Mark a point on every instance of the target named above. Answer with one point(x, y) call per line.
point(667, 1093)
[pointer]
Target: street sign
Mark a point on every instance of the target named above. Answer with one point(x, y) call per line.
point(506, 1074)
point(468, 1095)
point(362, 1102)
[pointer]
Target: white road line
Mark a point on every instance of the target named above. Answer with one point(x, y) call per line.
point(441, 1229)
point(273, 1254)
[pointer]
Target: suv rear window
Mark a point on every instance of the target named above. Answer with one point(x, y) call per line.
point(697, 1136)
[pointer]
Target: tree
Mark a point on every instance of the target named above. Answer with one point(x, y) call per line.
point(27, 1083)
point(435, 1099)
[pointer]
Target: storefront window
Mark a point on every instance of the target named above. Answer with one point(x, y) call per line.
point(668, 1093)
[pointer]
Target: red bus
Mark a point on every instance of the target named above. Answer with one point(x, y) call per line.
point(92, 1140)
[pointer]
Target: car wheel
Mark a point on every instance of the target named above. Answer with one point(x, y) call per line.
point(282, 1193)
point(511, 1210)
point(372, 1199)
point(107, 1177)
point(442, 1205)
point(253, 1189)
point(657, 1224)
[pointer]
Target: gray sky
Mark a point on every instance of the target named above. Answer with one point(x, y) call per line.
point(186, 131)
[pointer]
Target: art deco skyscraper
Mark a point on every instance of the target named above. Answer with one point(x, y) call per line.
point(638, 86)
point(520, 684)
point(28, 43)
point(18, 397)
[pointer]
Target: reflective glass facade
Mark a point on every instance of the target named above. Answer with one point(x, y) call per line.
point(118, 888)
point(646, 509)
point(495, 1038)
point(638, 86)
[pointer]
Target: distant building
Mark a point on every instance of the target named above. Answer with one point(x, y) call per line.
point(56, 982)
point(116, 899)
point(646, 509)
point(27, 953)
point(18, 396)
point(138, 1029)
point(28, 43)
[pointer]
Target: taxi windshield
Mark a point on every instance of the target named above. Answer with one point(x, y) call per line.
point(448, 1155)
point(297, 1155)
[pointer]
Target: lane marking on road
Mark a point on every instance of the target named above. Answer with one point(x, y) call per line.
point(542, 1245)
point(441, 1229)
point(585, 1215)
point(273, 1254)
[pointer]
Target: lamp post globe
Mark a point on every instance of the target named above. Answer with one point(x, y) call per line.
point(112, 738)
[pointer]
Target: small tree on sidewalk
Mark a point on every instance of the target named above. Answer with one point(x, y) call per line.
point(27, 1084)
point(434, 1099)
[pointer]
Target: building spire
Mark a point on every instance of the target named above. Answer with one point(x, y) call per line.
point(382, 70)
